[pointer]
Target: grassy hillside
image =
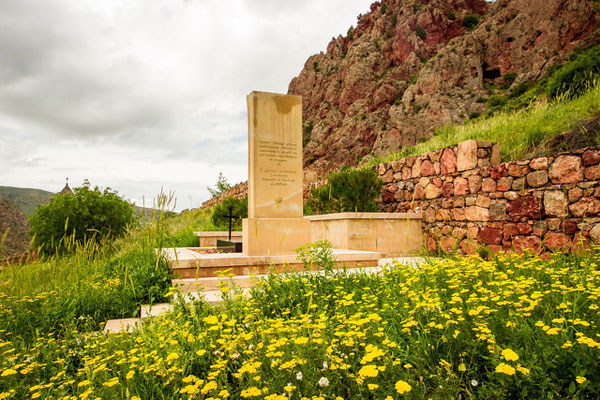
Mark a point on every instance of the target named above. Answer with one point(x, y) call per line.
point(523, 133)
point(27, 199)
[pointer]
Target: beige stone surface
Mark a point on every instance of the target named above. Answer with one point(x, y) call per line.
point(274, 155)
point(190, 264)
point(122, 325)
point(154, 310)
point(209, 239)
point(274, 236)
point(388, 233)
point(466, 158)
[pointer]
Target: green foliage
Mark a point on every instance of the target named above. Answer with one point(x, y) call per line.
point(470, 21)
point(451, 15)
point(89, 214)
point(495, 101)
point(80, 290)
point(221, 186)
point(573, 78)
point(421, 34)
point(308, 127)
point(509, 77)
point(317, 255)
point(346, 190)
point(239, 209)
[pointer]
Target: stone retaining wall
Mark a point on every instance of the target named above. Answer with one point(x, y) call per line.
point(468, 199)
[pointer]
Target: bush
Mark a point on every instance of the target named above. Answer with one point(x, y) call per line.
point(420, 32)
point(88, 215)
point(470, 21)
point(573, 78)
point(495, 102)
point(346, 190)
point(239, 209)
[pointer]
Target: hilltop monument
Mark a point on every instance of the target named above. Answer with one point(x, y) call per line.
point(275, 223)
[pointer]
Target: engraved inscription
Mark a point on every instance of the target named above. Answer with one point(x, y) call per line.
point(280, 155)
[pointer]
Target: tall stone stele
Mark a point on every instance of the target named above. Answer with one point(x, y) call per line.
point(275, 223)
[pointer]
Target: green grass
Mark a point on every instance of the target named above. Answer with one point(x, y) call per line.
point(27, 199)
point(517, 132)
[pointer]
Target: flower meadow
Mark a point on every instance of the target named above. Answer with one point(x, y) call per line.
point(515, 326)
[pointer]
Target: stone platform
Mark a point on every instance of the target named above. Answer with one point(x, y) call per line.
point(189, 262)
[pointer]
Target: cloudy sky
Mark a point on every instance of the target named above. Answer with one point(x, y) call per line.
point(140, 95)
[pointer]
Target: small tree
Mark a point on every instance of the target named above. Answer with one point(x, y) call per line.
point(88, 214)
point(221, 187)
point(346, 190)
point(239, 209)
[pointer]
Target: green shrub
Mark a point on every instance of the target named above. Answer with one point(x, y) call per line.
point(495, 101)
point(238, 208)
point(88, 215)
point(346, 190)
point(573, 78)
point(308, 127)
point(510, 77)
point(470, 21)
point(420, 32)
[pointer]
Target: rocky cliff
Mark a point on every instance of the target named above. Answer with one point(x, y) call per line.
point(410, 66)
point(13, 220)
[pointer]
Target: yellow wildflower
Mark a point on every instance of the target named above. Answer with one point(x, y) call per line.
point(509, 355)
point(403, 387)
point(505, 369)
point(581, 379)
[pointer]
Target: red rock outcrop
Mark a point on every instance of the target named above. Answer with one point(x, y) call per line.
point(13, 224)
point(409, 67)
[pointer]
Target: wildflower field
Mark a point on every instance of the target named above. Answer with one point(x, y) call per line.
point(511, 327)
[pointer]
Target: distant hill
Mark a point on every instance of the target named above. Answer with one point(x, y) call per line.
point(27, 199)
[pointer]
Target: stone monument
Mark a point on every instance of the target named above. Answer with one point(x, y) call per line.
point(275, 223)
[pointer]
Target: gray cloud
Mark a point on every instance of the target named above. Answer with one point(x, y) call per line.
point(108, 90)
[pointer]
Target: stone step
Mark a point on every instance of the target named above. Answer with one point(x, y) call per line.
point(248, 281)
point(122, 325)
point(212, 283)
point(155, 310)
point(189, 263)
point(211, 297)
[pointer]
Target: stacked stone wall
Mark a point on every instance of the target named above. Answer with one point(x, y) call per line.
point(468, 199)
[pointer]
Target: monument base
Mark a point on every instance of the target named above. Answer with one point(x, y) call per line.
point(274, 236)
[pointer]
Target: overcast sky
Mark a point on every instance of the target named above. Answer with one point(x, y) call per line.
point(140, 95)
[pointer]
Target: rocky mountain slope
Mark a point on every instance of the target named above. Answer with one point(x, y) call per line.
point(13, 220)
point(410, 66)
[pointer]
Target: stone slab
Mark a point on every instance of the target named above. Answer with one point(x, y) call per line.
point(387, 233)
point(274, 236)
point(209, 239)
point(189, 264)
point(155, 310)
point(122, 325)
point(274, 155)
